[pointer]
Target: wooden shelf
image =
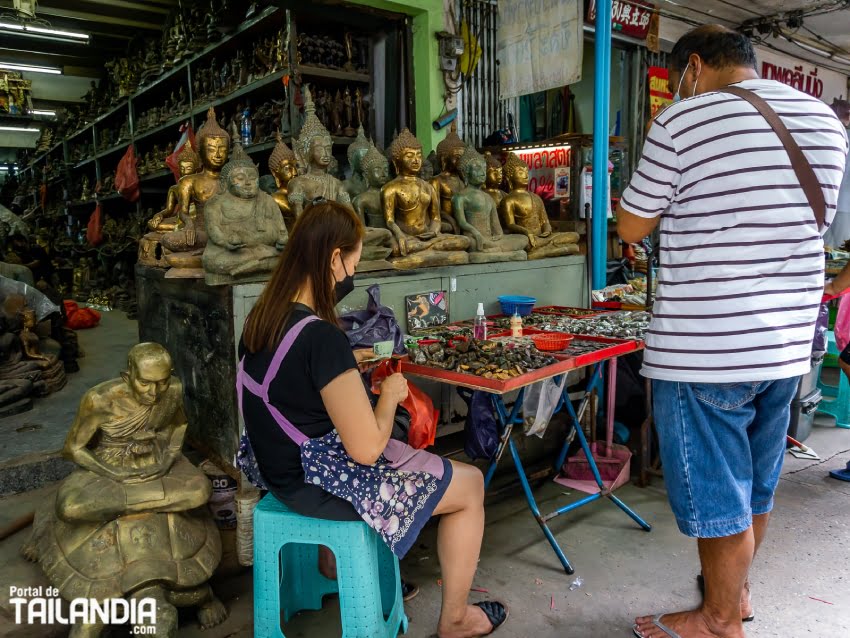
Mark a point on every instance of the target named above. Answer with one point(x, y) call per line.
point(248, 88)
point(112, 149)
point(84, 162)
point(156, 175)
point(333, 74)
point(162, 127)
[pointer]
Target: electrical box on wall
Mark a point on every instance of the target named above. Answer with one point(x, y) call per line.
point(451, 48)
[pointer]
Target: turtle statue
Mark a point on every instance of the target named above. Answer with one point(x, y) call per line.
point(131, 521)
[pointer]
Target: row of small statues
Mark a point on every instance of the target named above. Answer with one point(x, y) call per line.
point(349, 54)
point(154, 160)
point(219, 220)
point(343, 113)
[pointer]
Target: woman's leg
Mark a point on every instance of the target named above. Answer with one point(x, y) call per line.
point(458, 546)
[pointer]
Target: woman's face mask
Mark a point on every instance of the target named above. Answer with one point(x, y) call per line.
point(345, 287)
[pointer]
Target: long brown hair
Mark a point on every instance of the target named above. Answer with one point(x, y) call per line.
point(319, 231)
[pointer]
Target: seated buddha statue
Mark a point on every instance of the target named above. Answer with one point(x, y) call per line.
point(244, 225)
point(185, 246)
point(167, 220)
point(495, 175)
point(377, 239)
point(478, 217)
point(524, 213)
point(412, 213)
point(314, 148)
point(284, 167)
point(357, 150)
point(448, 182)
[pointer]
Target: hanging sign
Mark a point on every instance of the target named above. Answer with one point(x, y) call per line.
point(539, 45)
point(659, 90)
point(548, 170)
point(816, 81)
point(630, 17)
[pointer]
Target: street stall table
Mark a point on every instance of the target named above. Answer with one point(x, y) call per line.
point(599, 359)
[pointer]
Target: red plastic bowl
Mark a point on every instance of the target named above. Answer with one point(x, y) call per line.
point(551, 341)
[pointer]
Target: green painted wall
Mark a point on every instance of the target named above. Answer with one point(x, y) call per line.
point(429, 89)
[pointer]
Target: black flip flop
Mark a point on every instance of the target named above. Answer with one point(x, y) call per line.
point(409, 591)
point(497, 613)
point(701, 585)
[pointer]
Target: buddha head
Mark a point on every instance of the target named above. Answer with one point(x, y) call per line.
point(188, 160)
point(449, 152)
point(406, 154)
point(28, 318)
point(314, 144)
point(516, 172)
point(213, 143)
point(148, 372)
point(240, 176)
point(357, 151)
point(375, 167)
point(473, 167)
point(282, 163)
point(495, 172)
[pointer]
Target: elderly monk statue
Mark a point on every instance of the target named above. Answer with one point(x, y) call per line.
point(284, 167)
point(314, 149)
point(448, 183)
point(357, 183)
point(412, 212)
point(523, 213)
point(245, 228)
point(478, 218)
point(495, 175)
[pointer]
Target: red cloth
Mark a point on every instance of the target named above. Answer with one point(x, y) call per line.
point(126, 176)
point(94, 229)
point(79, 318)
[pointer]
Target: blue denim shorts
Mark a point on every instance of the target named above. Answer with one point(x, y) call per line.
point(722, 446)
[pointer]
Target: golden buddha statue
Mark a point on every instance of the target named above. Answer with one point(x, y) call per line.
point(524, 213)
point(448, 183)
point(30, 340)
point(314, 148)
point(412, 213)
point(166, 220)
point(357, 150)
point(377, 239)
point(478, 217)
point(131, 521)
point(244, 225)
point(283, 167)
point(495, 176)
point(185, 246)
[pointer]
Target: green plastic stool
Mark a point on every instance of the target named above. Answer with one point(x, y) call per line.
point(287, 578)
point(836, 399)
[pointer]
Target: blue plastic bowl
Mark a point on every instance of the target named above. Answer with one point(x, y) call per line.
point(516, 304)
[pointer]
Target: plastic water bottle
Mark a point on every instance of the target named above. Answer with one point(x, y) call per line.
point(479, 329)
point(516, 324)
point(247, 126)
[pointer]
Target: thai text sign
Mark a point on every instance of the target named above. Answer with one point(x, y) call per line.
point(545, 168)
point(539, 45)
point(629, 18)
point(818, 82)
point(659, 90)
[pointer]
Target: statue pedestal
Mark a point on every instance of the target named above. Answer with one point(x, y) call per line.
point(491, 258)
point(552, 250)
point(430, 258)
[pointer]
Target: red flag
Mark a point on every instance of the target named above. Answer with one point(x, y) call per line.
point(187, 134)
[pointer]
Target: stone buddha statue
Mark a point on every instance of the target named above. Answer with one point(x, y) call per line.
point(412, 213)
point(131, 522)
point(448, 182)
point(524, 213)
point(377, 239)
point(314, 148)
point(478, 217)
point(357, 150)
point(186, 245)
point(284, 167)
point(244, 225)
point(495, 175)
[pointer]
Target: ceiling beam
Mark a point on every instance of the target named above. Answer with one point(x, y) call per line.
point(126, 4)
point(94, 17)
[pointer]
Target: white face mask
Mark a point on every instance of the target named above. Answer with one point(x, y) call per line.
point(677, 96)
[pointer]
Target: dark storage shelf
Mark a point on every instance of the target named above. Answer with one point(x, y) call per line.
point(334, 74)
point(203, 107)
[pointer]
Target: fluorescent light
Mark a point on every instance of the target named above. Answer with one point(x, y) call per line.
point(840, 60)
point(40, 112)
point(42, 32)
point(11, 27)
point(28, 67)
point(20, 129)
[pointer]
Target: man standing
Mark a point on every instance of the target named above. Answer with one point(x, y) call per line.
point(741, 279)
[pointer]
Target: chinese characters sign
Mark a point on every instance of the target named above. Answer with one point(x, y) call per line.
point(548, 171)
point(629, 18)
point(659, 90)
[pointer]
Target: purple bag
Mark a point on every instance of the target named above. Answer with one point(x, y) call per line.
point(482, 429)
point(365, 328)
point(819, 344)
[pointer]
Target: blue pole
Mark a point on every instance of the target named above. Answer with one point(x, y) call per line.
point(601, 116)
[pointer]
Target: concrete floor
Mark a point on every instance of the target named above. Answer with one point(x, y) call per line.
point(801, 581)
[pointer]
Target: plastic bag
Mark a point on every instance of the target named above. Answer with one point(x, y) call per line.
point(94, 229)
point(539, 405)
point(482, 429)
point(842, 323)
point(126, 177)
point(31, 296)
point(365, 328)
point(80, 318)
point(423, 415)
point(819, 344)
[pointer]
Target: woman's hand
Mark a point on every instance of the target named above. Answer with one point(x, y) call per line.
point(395, 387)
point(365, 358)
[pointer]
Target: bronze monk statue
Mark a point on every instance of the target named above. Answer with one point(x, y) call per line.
point(412, 213)
point(478, 218)
point(244, 225)
point(357, 150)
point(131, 521)
point(448, 183)
point(524, 213)
point(284, 167)
point(495, 176)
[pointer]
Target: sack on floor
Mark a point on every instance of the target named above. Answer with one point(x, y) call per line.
point(482, 429)
point(423, 416)
point(80, 318)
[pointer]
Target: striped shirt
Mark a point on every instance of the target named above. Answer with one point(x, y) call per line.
point(742, 262)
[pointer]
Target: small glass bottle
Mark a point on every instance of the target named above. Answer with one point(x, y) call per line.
point(479, 329)
point(516, 324)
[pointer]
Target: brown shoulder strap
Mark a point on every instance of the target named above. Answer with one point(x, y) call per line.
point(805, 174)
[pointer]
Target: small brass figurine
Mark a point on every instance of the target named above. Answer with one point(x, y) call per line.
point(412, 213)
point(448, 183)
point(478, 217)
point(314, 148)
point(283, 167)
point(245, 228)
point(495, 176)
point(357, 150)
point(523, 213)
point(130, 522)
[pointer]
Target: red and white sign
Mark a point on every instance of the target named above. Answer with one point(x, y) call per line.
point(542, 167)
point(629, 18)
point(818, 82)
